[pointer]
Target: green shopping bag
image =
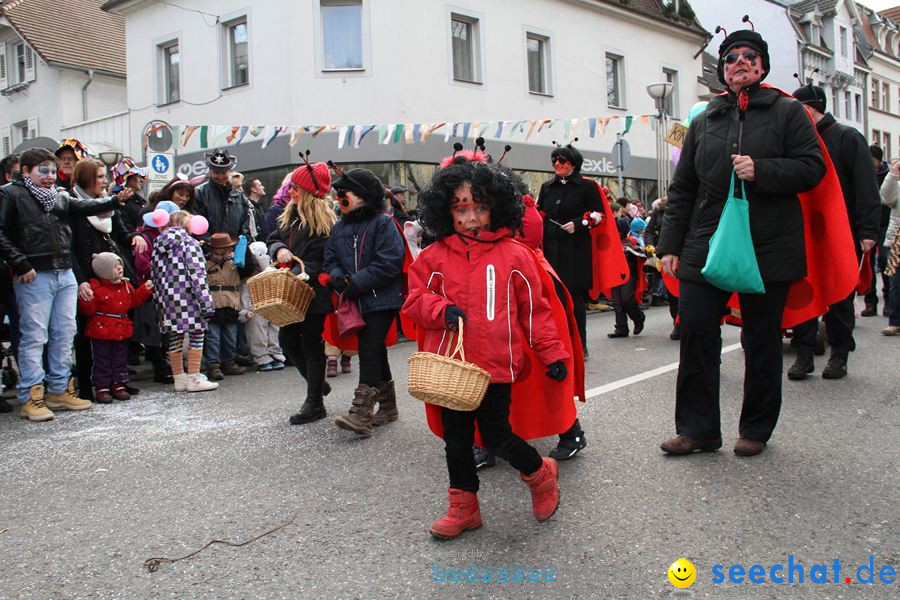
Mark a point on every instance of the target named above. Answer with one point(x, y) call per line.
point(731, 263)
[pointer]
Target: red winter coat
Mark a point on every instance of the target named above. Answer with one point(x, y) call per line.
point(111, 299)
point(497, 284)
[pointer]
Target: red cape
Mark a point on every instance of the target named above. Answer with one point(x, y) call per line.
point(350, 342)
point(540, 406)
point(831, 268)
point(610, 266)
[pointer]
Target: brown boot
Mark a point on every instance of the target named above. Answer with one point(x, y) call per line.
point(67, 400)
point(387, 404)
point(463, 514)
point(34, 409)
point(359, 419)
point(233, 369)
point(682, 444)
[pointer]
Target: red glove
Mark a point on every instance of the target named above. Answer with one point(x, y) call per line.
point(527, 200)
point(324, 279)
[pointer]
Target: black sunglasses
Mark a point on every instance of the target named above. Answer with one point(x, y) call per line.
point(749, 56)
point(340, 192)
point(560, 160)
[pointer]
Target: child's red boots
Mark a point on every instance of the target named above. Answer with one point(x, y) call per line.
point(462, 515)
point(544, 486)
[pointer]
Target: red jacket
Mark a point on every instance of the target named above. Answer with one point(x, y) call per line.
point(111, 299)
point(497, 284)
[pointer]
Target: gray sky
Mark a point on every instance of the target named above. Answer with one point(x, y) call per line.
point(879, 4)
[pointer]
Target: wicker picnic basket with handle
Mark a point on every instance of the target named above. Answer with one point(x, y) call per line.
point(280, 296)
point(448, 381)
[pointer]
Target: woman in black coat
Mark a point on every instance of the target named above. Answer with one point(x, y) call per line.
point(567, 243)
point(303, 230)
point(770, 144)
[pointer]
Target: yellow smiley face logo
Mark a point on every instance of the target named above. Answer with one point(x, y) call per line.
point(682, 573)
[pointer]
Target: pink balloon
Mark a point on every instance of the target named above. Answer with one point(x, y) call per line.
point(199, 225)
point(159, 217)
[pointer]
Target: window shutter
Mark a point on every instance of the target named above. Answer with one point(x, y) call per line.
point(5, 141)
point(32, 128)
point(4, 82)
point(29, 64)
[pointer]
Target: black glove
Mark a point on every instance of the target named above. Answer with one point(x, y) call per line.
point(352, 290)
point(339, 285)
point(556, 371)
point(452, 315)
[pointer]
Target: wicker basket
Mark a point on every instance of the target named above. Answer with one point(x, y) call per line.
point(447, 381)
point(280, 296)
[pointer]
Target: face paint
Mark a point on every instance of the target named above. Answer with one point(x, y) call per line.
point(470, 217)
point(348, 200)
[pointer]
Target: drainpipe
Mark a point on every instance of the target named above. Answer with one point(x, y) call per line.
point(84, 108)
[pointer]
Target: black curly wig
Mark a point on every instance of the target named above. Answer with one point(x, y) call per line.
point(493, 185)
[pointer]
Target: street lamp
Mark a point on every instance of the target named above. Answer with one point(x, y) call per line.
point(659, 92)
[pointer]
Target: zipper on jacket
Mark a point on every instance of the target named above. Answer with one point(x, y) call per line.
point(355, 255)
point(491, 283)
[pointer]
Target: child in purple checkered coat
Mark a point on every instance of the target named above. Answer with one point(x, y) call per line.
point(183, 301)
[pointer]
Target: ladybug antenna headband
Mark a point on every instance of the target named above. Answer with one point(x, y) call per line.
point(746, 19)
point(312, 174)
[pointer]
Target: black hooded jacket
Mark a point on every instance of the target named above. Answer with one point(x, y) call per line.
point(778, 135)
point(226, 209)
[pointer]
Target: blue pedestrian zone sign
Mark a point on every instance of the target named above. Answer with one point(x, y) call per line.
point(160, 164)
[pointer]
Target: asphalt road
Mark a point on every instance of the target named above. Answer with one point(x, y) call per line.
point(87, 498)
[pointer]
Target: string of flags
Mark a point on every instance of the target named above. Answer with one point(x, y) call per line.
point(411, 133)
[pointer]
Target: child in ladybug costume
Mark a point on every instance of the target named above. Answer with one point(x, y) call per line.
point(109, 327)
point(477, 272)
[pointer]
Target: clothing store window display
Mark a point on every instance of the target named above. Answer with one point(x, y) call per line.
point(769, 144)
point(567, 242)
point(303, 228)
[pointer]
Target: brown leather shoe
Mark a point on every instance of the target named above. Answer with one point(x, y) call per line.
point(120, 393)
point(682, 444)
point(747, 447)
point(103, 397)
point(233, 369)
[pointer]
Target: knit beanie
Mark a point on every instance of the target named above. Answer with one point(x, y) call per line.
point(104, 265)
point(364, 183)
point(638, 225)
point(813, 96)
point(743, 37)
point(314, 178)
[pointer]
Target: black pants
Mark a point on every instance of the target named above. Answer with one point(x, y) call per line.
point(496, 433)
point(625, 305)
point(701, 307)
point(839, 322)
point(373, 357)
point(302, 343)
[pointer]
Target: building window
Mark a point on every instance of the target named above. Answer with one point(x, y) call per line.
point(886, 144)
point(21, 68)
point(615, 97)
point(342, 34)
point(20, 132)
point(876, 137)
point(876, 86)
point(886, 97)
point(538, 50)
point(843, 41)
point(170, 73)
point(835, 106)
point(858, 105)
point(848, 106)
point(464, 43)
point(237, 53)
point(671, 105)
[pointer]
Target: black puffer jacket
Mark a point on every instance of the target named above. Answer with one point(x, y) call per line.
point(781, 139)
point(33, 239)
point(311, 250)
point(564, 200)
point(225, 208)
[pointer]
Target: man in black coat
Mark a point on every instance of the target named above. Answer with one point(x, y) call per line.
point(563, 201)
point(767, 144)
point(853, 162)
point(226, 208)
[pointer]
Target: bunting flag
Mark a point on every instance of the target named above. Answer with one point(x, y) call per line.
point(408, 134)
point(204, 133)
point(530, 130)
point(482, 128)
point(186, 132)
point(417, 133)
point(342, 136)
point(628, 120)
point(592, 126)
point(296, 132)
point(398, 132)
point(256, 130)
point(431, 129)
point(645, 119)
point(466, 128)
point(543, 123)
point(241, 133)
point(271, 135)
point(383, 133)
point(499, 133)
point(363, 131)
point(232, 135)
point(319, 130)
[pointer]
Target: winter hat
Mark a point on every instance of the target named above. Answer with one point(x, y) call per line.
point(743, 37)
point(364, 183)
point(812, 96)
point(314, 178)
point(104, 265)
point(570, 153)
point(638, 225)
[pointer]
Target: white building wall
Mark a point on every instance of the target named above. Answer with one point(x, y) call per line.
point(886, 70)
point(408, 73)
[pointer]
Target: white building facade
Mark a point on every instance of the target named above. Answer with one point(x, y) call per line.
point(287, 63)
point(883, 36)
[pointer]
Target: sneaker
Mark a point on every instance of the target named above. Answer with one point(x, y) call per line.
point(269, 366)
point(180, 382)
point(568, 447)
point(331, 366)
point(891, 330)
point(34, 409)
point(199, 383)
point(277, 365)
point(483, 458)
point(67, 400)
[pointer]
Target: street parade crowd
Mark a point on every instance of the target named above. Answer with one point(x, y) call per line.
point(96, 275)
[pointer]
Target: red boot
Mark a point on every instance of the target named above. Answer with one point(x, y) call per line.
point(544, 486)
point(462, 515)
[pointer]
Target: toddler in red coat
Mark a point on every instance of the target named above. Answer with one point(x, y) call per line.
point(109, 327)
point(477, 272)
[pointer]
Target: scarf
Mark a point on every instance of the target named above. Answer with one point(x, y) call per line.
point(46, 196)
point(101, 222)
